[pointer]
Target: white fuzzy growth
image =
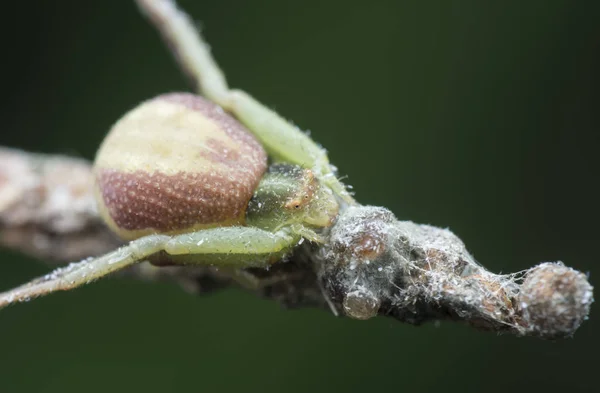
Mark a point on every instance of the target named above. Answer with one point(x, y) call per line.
point(426, 273)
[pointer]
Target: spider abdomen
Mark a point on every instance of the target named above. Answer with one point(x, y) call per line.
point(176, 163)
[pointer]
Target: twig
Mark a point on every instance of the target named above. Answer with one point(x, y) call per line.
point(420, 273)
point(47, 210)
point(47, 207)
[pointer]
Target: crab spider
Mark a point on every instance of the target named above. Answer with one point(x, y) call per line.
point(179, 176)
point(185, 180)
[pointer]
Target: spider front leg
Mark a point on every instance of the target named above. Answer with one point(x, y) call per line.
point(237, 247)
point(283, 140)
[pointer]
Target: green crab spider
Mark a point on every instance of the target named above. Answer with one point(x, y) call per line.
point(185, 180)
point(235, 217)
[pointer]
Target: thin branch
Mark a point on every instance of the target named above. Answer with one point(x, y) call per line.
point(47, 207)
point(421, 273)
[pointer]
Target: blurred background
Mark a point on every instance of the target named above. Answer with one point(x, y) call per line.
point(478, 116)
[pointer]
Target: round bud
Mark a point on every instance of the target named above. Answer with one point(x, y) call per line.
point(555, 300)
point(361, 304)
point(176, 163)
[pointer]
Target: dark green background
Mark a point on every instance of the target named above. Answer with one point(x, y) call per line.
point(478, 116)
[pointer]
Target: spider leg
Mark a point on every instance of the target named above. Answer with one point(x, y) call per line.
point(229, 246)
point(282, 139)
point(79, 273)
point(234, 242)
